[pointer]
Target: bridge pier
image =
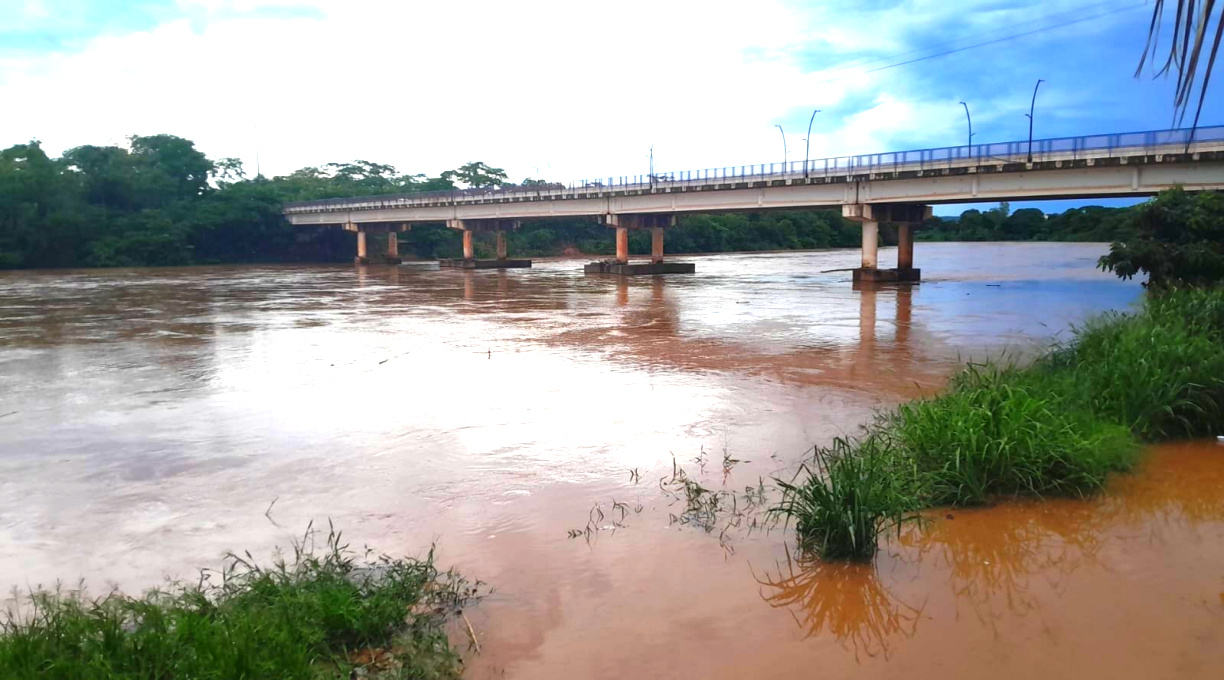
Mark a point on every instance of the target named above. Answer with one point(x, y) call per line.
point(499, 228)
point(393, 248)
point(390, 229)
point(905, 216)
point(655, 222)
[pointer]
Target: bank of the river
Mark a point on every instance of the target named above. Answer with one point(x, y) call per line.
point(1057, 427)
point(320, 611)
point(160, 412)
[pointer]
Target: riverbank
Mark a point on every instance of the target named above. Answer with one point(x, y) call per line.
point(320, 614)
point(1057, 427)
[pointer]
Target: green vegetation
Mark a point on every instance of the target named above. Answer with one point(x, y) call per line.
point(1092, 223)
point(1177, 239)
point(858, 497)
point(163, 202)
point(160, 201)
point(315, 617)
point(1056, 427)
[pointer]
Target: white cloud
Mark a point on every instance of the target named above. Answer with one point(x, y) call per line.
point(575, 89)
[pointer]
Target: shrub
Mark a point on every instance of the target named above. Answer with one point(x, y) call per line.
point(313, 618)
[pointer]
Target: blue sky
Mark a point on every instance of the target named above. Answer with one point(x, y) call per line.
point(568, 90)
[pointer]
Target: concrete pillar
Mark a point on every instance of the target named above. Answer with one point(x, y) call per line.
point(622, 245)
point(905, 246)
point(468, 253)
point(871, 243)
point(656, 245)
point(361, 244)
point(501, 245)
point(393, 244)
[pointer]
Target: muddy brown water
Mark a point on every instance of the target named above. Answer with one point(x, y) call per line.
point(149, 417)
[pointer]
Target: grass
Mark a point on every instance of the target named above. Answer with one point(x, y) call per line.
point(856, 498)
point(316, 616)
point(1057, 427)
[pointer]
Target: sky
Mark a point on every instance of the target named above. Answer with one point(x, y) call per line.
point(571, 90)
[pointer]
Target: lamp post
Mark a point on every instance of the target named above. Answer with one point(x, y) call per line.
point(651, 175)
point(1030, 117)
point(808, 149)
point(970, 121)
point(785, 155)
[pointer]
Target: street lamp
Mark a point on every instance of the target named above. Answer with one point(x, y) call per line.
point(1030, 117)
point(970, 120)
point(807, 151)
point(785, 156)
point(651, 177)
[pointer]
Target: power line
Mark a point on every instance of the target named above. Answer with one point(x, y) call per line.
point(868, 60)
point(982, 44)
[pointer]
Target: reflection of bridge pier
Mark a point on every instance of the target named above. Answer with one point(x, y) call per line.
point(499, 227)
point(903, 297)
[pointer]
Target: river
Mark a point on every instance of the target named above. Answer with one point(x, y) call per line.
point(152, 419)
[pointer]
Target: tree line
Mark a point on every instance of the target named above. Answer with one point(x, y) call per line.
point(159, 201)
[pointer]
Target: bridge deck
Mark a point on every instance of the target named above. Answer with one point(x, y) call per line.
point(1101, 165)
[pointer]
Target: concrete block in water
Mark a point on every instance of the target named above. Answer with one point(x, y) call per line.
point(485, 264)
point(636, 269)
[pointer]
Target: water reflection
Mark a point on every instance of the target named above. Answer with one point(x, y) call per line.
point(993, 555)
point(1008, 561)
point(844, 599)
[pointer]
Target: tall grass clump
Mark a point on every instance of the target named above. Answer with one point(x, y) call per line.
point(316, 616)
point(997, 432)
point(850, 497)
point(1057, 427)
point(1159, 372)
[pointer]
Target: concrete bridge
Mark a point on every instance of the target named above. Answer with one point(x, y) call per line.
point(897, 187)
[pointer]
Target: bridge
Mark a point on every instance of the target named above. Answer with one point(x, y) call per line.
point(896, 187)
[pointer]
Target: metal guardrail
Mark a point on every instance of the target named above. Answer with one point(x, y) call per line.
point(1060, 148)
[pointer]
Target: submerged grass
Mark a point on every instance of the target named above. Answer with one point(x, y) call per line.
point(317, 616)
point(849, 498)
point(1057, 427)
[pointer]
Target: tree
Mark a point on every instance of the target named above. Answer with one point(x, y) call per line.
point(476, 174)
point(228, 171)
point(169, 168)
point(1179, 240)
point(1024, 224)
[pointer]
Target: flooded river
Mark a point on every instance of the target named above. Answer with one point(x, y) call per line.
point(149, 418)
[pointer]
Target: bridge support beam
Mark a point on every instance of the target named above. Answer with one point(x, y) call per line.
point(468, 251)
point(499, 227)
point(623, 223)
point(905, 246)
point(622, 245)
point(904, 216)
point(871, 244)
point(393, 248)
point(501, 245)
point(391, 229)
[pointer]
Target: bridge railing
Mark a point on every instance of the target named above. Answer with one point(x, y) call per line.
point(1060, 148)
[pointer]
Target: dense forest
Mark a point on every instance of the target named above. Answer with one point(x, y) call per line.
point(160, 201)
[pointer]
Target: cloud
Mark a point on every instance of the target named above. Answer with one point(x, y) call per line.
point(573, 89)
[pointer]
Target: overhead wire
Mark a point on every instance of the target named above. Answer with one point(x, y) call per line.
point(868, 60)
point(1013, 36)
